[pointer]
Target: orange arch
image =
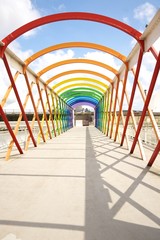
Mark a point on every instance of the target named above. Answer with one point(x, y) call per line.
point(76, 60)
point(78, 71)
point(75, 44)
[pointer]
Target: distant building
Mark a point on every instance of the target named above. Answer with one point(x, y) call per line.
point(79, 109)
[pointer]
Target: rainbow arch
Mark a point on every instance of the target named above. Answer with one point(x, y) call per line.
point(62, 92)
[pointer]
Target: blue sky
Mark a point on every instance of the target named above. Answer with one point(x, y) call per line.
point(89, 31)
point(135, 13)
point(13, 14)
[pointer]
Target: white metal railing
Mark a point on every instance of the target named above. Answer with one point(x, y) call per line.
point(21, 136)
point(147, 135)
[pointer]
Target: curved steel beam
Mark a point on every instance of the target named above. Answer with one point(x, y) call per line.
point(70, 16)
point(80, 85)
point(70, 93)
point(80, 90)
point(75, 60)
point(91, 100)
point(79, 71)
point(70, 80)
point(81, 95)
point(83, 100)
point(74, 45)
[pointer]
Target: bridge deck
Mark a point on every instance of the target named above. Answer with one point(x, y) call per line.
point(80, 185)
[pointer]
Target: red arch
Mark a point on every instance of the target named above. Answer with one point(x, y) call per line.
point(70, 16)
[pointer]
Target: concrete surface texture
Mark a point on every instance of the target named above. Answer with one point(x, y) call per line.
point(80, 185)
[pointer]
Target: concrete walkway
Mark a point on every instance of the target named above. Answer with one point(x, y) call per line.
point(79, 186)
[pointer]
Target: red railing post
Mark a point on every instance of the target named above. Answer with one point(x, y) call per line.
point(154, 155)
point(110, 109)
point(133, 93)
point(50, 110)
point(10, 130)
point(44, 111)
point(121, 102)
point(115, 104)
point(152, 84)
point(34, 106)
point(18, 98)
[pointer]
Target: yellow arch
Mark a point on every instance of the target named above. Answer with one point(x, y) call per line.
point(76, 60)
point(80, 85)
point(80, 79)
point(79, 71)
point(75, 44)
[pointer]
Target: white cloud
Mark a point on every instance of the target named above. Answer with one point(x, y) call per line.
point(16, 48)
point(61, 8)
point(157, 45)
point(5, 83)
point(11, 101)
point(145, 76)
point(51, 58)
point(102, 57)
point(145, 12)
point(133, 42)
point(126, 20)
point(154, 103)
point(60, 55)
point(14, 14)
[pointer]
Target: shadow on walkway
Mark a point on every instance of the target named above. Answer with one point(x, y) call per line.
point(99, 215)
point(80, 186)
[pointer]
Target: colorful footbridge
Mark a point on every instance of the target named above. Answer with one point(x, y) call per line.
point(107, 90)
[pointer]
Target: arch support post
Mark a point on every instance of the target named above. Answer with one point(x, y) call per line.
point(132, 93)
point(121, 102)
point(34, 106)
point(150, 91)
point(18, 98)
point(10, 130)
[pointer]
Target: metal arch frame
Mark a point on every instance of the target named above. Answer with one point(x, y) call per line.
point(71, 94)
point(83, 79)
point(68, 16)
point(87, 99)
point(84, 101)
point(74, 45)
point(90, 82)
point(81, 95)
point(75, 61)
point(70, 61)
point(77, 90)
point(71, 16)
point(93, 86)
point(77, 72)
point(141, 43)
